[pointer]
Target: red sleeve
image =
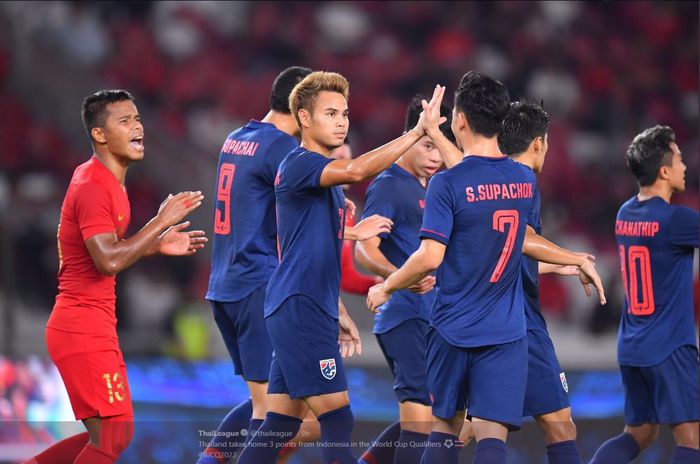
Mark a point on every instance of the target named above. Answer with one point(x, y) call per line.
point(352, 281)
point(93, 210)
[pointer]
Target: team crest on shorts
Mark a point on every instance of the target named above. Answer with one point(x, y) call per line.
point(565, 385)
point(328, 368)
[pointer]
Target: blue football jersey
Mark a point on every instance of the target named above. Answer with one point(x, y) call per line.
point(479, 210)
point(244, 246)
point(399, 196)
point(656, 242)
point(310, 224)
point(530, 269)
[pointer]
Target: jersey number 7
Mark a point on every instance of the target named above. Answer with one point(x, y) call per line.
point(501, 219)
point(638, 287)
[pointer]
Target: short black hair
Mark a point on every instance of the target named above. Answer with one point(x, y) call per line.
point(283, 85)
point(94, 111)
point(650, 150)
point(413, 113)
point(484, 101)
point(524, 122)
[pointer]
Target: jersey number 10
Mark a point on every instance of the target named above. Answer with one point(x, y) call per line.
point(222, 221)
point(636, 277)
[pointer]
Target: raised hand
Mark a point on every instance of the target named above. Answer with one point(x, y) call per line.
point(425, 285)
point(176, 241)
point(175, 208)
point(430, 118)
point(348, 336)
point(371, 227)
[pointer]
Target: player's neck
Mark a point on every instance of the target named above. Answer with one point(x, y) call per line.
point(658, 189)
point(284, 122)
point(481, 146)
point(406, 166)
point(526, 159)
point(312, 145)
point(113, 165)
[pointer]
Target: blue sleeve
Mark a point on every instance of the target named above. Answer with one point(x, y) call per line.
point(379, 201)
point(304, 171)
point(684, 227)
point(438, 215)
point(275, 154)
point(533, 219)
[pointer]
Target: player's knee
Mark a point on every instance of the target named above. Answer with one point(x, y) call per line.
point(687, 435)
point(116, 434)
point(645, 435)
point(557, 427)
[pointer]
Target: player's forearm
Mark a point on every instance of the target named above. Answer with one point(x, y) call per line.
point(451, 155)
point(541, 249)
point(373, 260)
point(350, 233)
point(341, 307)
point(373, 162)
point(413, 271)
point(547, 268)
point(123, 253)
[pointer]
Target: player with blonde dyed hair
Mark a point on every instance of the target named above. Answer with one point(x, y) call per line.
point(307, 322)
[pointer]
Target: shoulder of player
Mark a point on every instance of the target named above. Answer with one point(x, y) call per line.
point(299, 155)
point(683, 213)
point(87, 189)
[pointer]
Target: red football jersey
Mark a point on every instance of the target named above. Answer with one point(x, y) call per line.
point(95, 203)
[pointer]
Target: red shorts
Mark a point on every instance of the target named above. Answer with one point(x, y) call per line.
point(93, 370)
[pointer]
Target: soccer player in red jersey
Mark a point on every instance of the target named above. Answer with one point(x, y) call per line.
point(81, 334)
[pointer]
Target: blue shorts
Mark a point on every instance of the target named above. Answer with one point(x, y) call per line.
point(489, 381)
point(547, 390)
point(307, 360)
point(242, 326)
point(404, 350)
point(666, 393)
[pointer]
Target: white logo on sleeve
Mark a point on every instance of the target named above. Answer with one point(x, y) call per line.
point(565, 385)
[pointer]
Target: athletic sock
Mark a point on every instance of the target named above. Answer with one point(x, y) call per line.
point(64, 451)
point(263, 447)
point(253, 427)
point(382, 449)
point(410, 448)
point(441, 449)
point(490, 451)
point(618, 450)
point(336, 436)
point(685, 455)
point(564, 452)
point(226, 443)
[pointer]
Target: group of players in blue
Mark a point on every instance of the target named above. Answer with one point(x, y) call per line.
point(468, 346)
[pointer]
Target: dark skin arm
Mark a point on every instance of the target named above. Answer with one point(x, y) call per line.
point(112, 255)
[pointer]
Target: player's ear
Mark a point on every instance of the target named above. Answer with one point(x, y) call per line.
point(98, 135)
point(304, 117)
point(461, 120)
point(538, 145)
point(664, 173)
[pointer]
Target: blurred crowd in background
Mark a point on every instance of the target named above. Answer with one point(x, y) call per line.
point(198, 70)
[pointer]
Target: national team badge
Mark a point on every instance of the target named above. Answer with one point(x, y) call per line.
point(565, 385)
point(328, 368)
